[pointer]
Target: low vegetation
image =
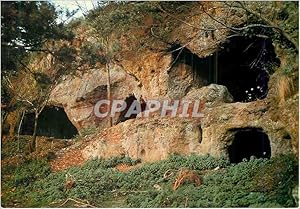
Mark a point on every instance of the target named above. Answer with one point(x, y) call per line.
point(254, 183)
point(38, 52)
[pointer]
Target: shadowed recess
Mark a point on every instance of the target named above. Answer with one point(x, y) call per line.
point(241, 64)
point(249, 142)
point(52, 122)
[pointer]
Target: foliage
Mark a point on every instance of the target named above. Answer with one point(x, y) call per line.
point(25, 26)
point(30, 171)
point(89, 53)
point(27, 30)
point(279, 17)
point(236, 186)
point(10, 147)
point(117, 20)
point(16, 180)
point(256, 183)
point(287, 18)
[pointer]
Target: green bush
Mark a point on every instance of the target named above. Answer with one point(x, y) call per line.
point(17, 181)
point(235, 186)
point(30, 171)
point(254, 183)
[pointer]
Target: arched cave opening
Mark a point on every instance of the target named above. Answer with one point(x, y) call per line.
point(242, 64)
point(129, 101)
point(52, 122)
point(249, 142)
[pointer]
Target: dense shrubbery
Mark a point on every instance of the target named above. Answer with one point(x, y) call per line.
point(30, 171)
point(14, 146)
point(257, 183)
point(17, 179)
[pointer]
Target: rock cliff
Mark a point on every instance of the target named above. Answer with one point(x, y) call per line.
point(192, 74)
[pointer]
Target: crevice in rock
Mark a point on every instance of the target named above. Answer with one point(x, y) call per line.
point(52, 122)
point(128, 100)
point(143, 153)
point(287, 136)
point(247, 142)
point(200, 134)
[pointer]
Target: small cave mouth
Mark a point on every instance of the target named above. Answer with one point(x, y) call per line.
point(143, 153)
point(52, 122)
point(242, 64)
point(249, 142)
point(129, 101)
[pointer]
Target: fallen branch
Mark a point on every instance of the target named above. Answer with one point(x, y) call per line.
point(78, 201)
point(168, 174)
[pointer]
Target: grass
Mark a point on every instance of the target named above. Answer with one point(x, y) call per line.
point(255, 183)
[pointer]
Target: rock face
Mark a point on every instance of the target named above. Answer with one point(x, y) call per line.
point(213, 95)
point(150, 69)
point(155, 74)
point(155, 138)
point(78, 95)
point(149, 139)
point(180, 81)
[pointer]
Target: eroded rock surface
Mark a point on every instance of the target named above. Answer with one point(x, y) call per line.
point(78, 95)
point(155, 138)
point(154, 73)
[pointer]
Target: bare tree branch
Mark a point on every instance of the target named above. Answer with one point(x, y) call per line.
point(186, 23)
point(271, 25)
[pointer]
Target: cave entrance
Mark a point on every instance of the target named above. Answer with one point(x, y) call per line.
point(249, 142)
point(242, 64)
point(129, 101)
point(52, 122)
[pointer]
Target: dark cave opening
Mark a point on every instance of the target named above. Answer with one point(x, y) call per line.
point(241, 64)
point(249, 142)
point(244, 67)
point(129, 101)
point(52, 122)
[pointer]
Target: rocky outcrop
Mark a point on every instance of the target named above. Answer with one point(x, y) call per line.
point(155, 138)
point(158, 74)
point(79, 94)
point(149, 139)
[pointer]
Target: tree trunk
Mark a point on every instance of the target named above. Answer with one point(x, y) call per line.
point(19, 130)
point(109, 94)
point(33, 144)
